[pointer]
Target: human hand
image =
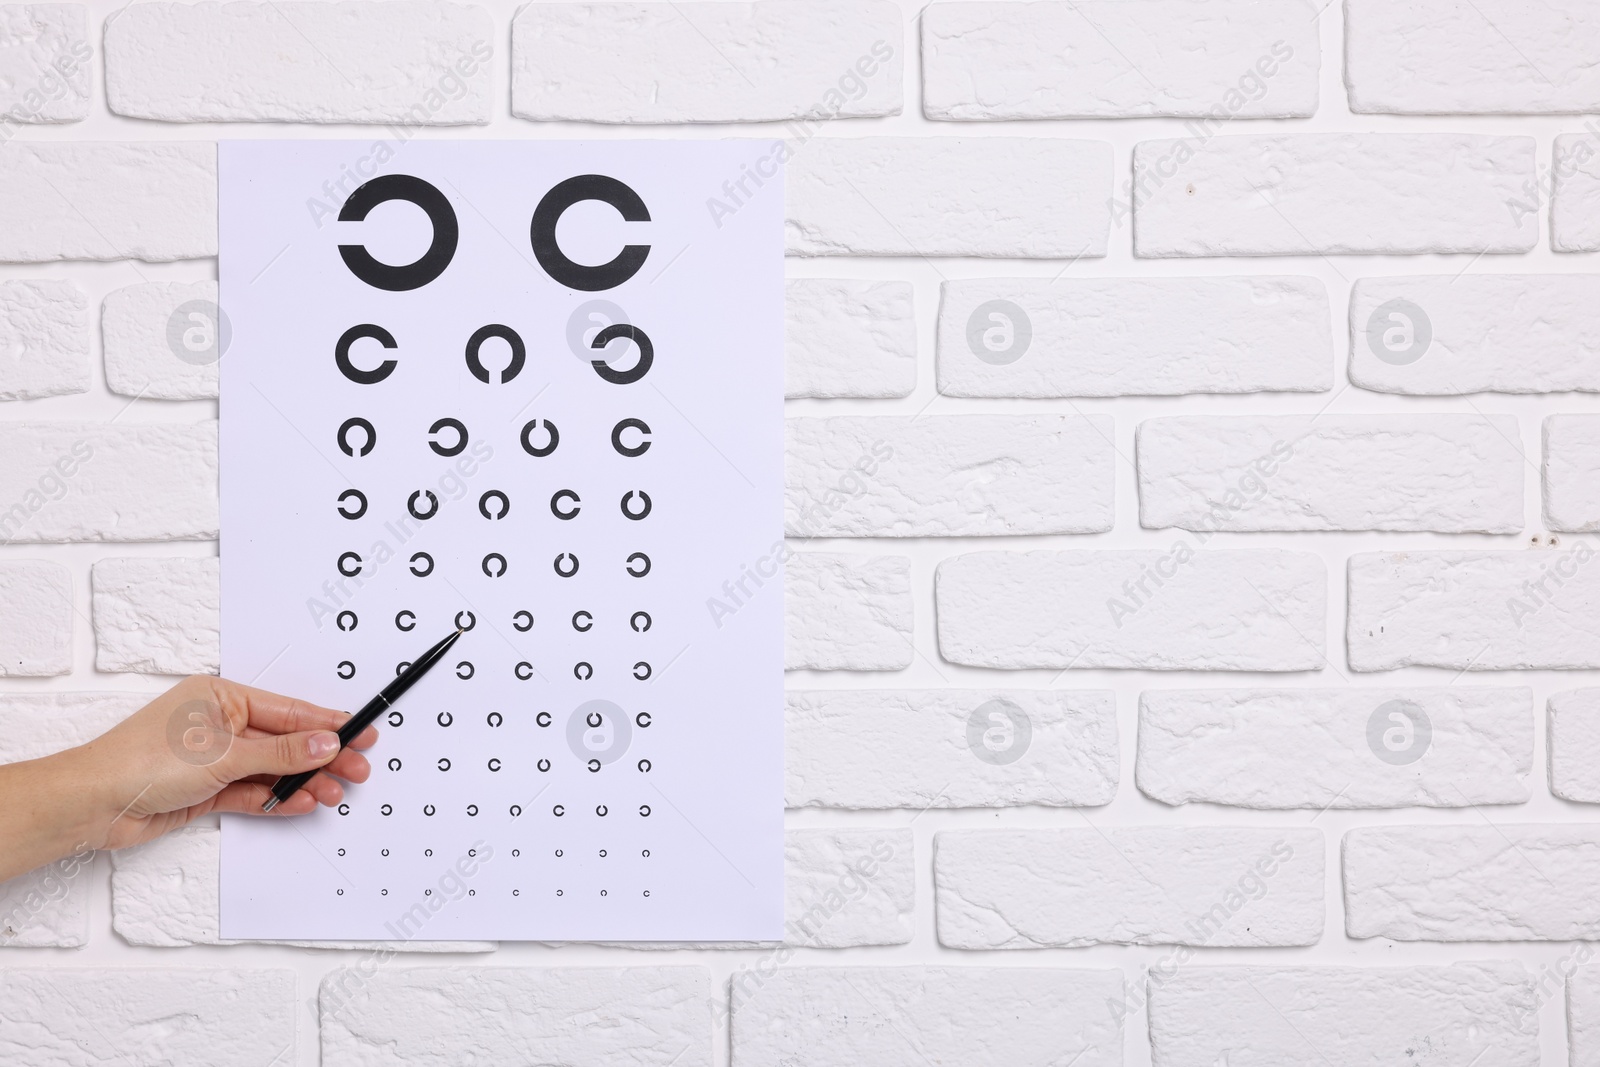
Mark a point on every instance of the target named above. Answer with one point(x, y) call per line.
point(205, 745)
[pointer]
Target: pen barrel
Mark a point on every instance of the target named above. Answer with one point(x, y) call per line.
point(362, 719)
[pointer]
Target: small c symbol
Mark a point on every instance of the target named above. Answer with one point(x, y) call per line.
point(416, 497)
point(370, 440)
point(631, 424)
point(555, 504)
point(361, 503)
point(494, 494)
point(544, 450)
point(461, 437)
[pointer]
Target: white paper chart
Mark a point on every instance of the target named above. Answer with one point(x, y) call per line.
point(533, 389)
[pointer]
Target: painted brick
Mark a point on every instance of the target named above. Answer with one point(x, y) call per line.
point(845, 338)
point(1253, 1016)
point(1213, 609)
point(45, 60)
point(36, 627)
point(1583, 1012)
point(157, 616)
point(150, 200)
point(1301, 194)
point(1219, 59)
point(1473, 882)
point(1572, 473)
point(948, 475)
point(845, 888)
point(1129, 885)
point(92, 481)
point(1505, 333)
point(1019, 197)
point(902, 1016)
point(1336, 748)
point(48, 907)
point(137, 325)
point(1575, 192)
point(1490, 57)
point(44, 338)
point(1133, 336)
point(403, 61)
point(228, 1017)
point(949, 748)
point(1574, 739)
point(1470, 610)
point(643, 1016)
point(847, 612)
point(165, 894)
point(1451, 473)
point(707, 62)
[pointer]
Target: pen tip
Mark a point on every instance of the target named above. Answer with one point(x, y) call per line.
point(271, 803)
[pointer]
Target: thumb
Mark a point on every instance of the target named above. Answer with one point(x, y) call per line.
point(282, 754)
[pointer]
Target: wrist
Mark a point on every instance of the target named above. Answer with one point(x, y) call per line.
point(48, 813)
point(78, 810)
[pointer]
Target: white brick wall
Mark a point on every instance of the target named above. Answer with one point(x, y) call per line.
point(1348, 1014)
point(1181, 609)
point(1297, 194)
point(1441, 335)
point(44, 72)
point(1336, 748)
point(1182, 58)
point(948, 476)
point(936, 196)
point(1072, 648)
point(846, 338)
point(161, 340)
point(411, 61)
point(1432, 57)
point(900, 1016)
point(1452, 473)
point(788, 59)
point(1479, 611)
point(1454, 883)
point(1139, 885)
point(950, 748)
point(1133, 336)
point(651, 1016)
point(44, 339)
point(157, 616)
point(1572, 473)
point(64, 1015)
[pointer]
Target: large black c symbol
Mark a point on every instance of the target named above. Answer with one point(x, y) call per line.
point(555, 203)
point(446, 232)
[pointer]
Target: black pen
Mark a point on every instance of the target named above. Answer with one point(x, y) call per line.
point(285, 787)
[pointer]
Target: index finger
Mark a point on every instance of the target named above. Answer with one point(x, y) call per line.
point(274, 712)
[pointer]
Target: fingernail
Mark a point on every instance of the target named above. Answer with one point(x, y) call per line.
point(321, 745)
